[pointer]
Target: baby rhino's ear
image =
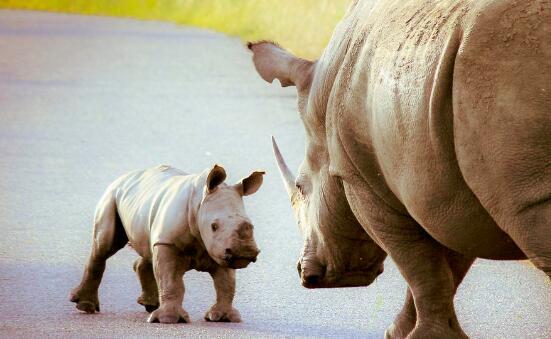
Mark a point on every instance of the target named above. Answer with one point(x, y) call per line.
point(250, 184)
point(216, 176)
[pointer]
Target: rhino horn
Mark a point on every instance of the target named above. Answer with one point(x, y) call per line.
point(286, 175)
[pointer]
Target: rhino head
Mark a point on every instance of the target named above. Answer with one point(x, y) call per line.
point(337, 252)
point(225, 228)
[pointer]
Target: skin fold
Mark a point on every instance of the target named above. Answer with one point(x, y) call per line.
point(176, 222)
point(427, 138)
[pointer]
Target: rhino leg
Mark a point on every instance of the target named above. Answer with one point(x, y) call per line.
point(459, 264)
point(432, 285)
point(169, 266)
point(533, 235)
point(150, 296)
point(224, 284)
point(109, 237)
point(422, 261)
point(405, 321)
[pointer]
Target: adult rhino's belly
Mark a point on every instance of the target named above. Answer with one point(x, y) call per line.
point(457, 220)
point(450, 213)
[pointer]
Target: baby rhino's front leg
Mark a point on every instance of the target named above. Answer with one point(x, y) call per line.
point(224, 283)
point(169, 266)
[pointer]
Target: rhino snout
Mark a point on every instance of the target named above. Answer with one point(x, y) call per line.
point(311, 274)
point(245, 231)
point(240, 260)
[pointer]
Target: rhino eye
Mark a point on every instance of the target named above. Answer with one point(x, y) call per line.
point(300, 188)
point(214, 227)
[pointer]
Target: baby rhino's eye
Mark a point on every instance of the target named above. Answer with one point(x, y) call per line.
point(214, 226)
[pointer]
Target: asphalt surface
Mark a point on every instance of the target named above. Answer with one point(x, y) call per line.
point(85, 99)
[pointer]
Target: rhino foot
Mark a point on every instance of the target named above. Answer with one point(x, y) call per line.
point(396, 332)
point(150, 308)
point(430, 332)
point(149, 303)
point(88, 304)
point(219, 314)
point(404, 322)
point(169, 315)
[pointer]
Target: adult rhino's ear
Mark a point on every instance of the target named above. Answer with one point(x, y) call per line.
point(216, 176)
point(273, 62)
point(250, 184)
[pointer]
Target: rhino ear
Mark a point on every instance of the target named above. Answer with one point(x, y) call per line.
point(216, 176)
point(250, 184)
point(273, 62)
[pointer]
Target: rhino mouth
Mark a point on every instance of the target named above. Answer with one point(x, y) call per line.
point(345, 279)
point(238, 262)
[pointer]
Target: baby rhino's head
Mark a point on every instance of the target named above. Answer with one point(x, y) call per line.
point(225, 228)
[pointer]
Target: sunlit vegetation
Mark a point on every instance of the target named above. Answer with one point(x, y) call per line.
point(302, 26)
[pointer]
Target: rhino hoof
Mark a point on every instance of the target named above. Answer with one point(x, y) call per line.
point(150, 304)
point(167, 320)
point(231, 316)
point(74, 298)
point(150, 308)
point(87, 306)
point(168, 316)
point(84, 305)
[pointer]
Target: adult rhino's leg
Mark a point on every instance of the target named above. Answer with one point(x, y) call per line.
point(531, 231)
point(422, 261)
point(169, 266)
point(150, 296)
point(224, 284)
point(423, 264)
point(405, 321)
point(459, 265)
point(109, 237)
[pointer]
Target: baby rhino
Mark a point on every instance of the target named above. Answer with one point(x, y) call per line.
point(176, 222)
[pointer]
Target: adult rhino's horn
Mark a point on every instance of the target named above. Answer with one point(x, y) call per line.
point(286, 175)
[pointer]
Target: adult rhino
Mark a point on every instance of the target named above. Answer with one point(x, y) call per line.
point(428, 138)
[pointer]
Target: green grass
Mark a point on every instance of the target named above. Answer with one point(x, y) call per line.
point(302, 26)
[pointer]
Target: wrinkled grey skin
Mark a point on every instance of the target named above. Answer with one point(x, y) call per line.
point(427, 125)
point(330, 230)
point(176, 222)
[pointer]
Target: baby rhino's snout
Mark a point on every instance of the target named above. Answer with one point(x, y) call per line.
point(245, 231)
point(244, 249)
point(242, 258)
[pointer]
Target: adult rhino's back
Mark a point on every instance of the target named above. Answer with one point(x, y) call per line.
point(446, 110)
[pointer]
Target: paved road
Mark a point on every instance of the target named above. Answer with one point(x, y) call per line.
point(84, 99)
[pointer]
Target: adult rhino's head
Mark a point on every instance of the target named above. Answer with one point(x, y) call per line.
point(225, 228)
point(337, 252)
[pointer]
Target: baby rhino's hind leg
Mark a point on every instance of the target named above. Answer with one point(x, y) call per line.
point(150, 294)
point(109, 237)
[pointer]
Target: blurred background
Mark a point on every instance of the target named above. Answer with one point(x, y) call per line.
point(303, 27)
